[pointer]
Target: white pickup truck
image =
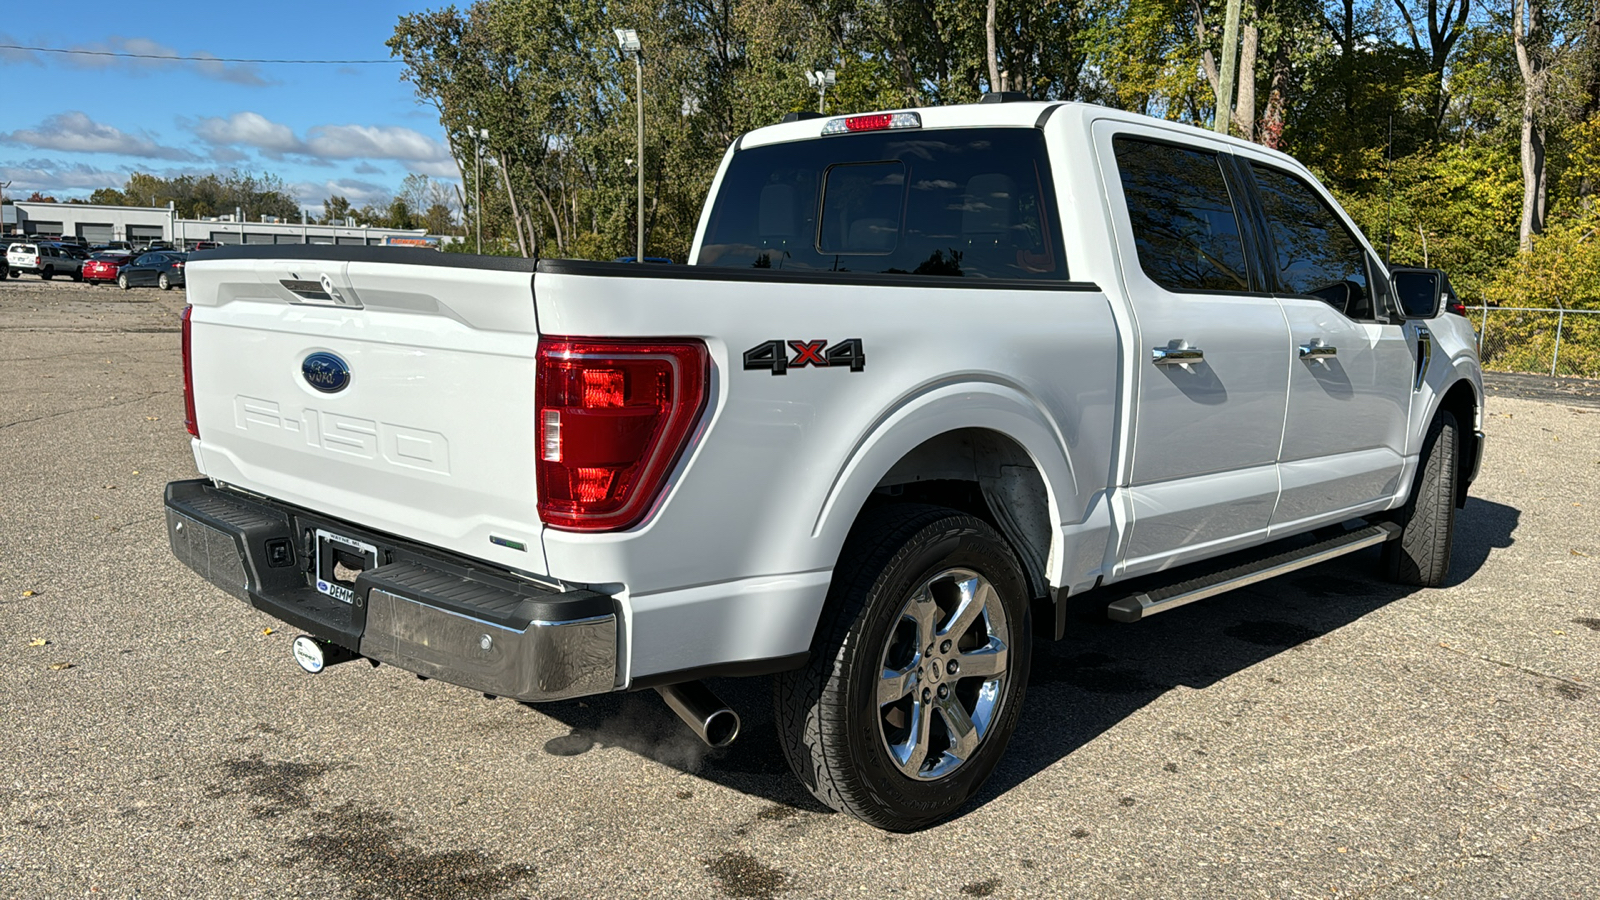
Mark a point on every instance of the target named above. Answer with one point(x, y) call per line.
point(929, 374)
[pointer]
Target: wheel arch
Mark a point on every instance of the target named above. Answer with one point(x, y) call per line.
point(1461, 401)
point(986, 449)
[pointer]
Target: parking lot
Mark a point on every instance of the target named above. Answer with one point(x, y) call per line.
point(1324, 735)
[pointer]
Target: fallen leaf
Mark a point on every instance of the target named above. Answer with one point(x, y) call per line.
point(1558, 631)
point(136, 471)
point(220, 652)
point(266, 631)
point(37, 642)
point(60, 666)
point(1579, 553)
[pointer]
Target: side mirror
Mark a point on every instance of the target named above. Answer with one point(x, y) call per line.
point(1420, 292)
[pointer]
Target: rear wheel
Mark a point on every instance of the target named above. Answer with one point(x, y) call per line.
point(164, 282)
point(122, 281)
point(1421, 555)
point(917, 671)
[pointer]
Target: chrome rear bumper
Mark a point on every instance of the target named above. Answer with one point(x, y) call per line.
point(418, 608)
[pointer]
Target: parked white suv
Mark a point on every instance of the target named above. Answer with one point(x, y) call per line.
point(45, 260)
point(929, 374)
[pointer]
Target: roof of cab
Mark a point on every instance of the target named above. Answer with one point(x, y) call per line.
point(1018, 114)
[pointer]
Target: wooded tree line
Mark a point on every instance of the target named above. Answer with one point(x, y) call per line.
point(206, 195)
point(1457, 132)
point(420, 202)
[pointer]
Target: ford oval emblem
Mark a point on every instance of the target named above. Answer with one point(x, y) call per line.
point(326, 372)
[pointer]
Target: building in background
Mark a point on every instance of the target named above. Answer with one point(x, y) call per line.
point(141, 225)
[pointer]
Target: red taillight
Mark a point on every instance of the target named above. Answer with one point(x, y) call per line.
point(872, 122)
point(613, 418)
point(189, 420)
point(868, 123)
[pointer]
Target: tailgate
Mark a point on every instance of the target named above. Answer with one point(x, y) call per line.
point(394, 394)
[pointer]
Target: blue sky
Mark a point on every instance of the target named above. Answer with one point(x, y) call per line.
point(72, 123)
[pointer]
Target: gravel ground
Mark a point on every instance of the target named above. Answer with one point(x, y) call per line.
point(1324, 735)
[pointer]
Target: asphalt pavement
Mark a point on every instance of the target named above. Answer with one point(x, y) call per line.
point(1324, 735)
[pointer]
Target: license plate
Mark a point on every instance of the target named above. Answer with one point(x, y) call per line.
point(339, 561)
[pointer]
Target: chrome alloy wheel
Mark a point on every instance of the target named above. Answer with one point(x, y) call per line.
point(944, 670)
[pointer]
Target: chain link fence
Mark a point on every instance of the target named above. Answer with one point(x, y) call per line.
point(1548, 341)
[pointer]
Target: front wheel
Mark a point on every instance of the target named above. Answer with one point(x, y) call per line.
point(77, 276)
point(47, 274)
point(1421, 554)
point(916, 674)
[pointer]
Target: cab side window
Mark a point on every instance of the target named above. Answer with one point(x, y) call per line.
point(1183, 218)
point(1315, 254)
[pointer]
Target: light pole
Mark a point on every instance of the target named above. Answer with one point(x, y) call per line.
point(822, 80)
point(628, 40)
point(478, 135)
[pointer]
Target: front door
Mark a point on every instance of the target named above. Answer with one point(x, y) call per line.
point(1211, 377)
point(1351, 362)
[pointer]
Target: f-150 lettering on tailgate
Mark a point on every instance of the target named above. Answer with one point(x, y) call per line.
point(399, 445)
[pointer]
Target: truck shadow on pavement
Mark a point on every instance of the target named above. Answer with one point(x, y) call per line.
point(1079, 688)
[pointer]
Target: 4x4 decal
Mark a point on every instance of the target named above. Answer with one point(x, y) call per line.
point(774, 355)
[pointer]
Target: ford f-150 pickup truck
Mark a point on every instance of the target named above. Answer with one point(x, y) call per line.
point(931, 379)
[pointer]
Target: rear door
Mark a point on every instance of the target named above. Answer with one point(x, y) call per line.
point(1211, 375)
point(1350, 361)
point(396, 395)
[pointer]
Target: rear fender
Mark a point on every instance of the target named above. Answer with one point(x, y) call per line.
point(937, 410)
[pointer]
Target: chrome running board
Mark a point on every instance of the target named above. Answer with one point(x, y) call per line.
point(1148, 603)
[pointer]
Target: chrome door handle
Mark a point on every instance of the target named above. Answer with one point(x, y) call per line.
point(1177, 353)
point(1318, 349)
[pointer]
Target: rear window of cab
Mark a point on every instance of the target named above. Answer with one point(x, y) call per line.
point(971, 202)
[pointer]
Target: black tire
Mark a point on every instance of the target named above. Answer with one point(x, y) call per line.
point(122, 281)
point(47, 274)
point(833, 726)
point(166, 285)
point(1421, 555)
point(77, 276)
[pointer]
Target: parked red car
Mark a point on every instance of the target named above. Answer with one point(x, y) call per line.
point(105, 266)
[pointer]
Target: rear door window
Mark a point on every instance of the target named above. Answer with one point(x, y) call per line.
point(1183, 218)
point(969, 202)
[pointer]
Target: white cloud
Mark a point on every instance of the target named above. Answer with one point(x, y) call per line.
point(359, 193)
point(273, 139)
point(374, 142)
point(17, 56)
point(75, 132)
point(148, 60)
point(48, 177)
point(324, 144)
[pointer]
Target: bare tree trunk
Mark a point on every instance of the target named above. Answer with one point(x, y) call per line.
point(516, 217)
point(1208, 61)
point(1277, 98)
point(1533, 174)
point(555, 220)
point(1244, 114)
point(994, 61)
point(1527, 24)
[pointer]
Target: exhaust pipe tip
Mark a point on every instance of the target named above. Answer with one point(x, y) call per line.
point(713, 721)
point(721, 728)
point(314, 655)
